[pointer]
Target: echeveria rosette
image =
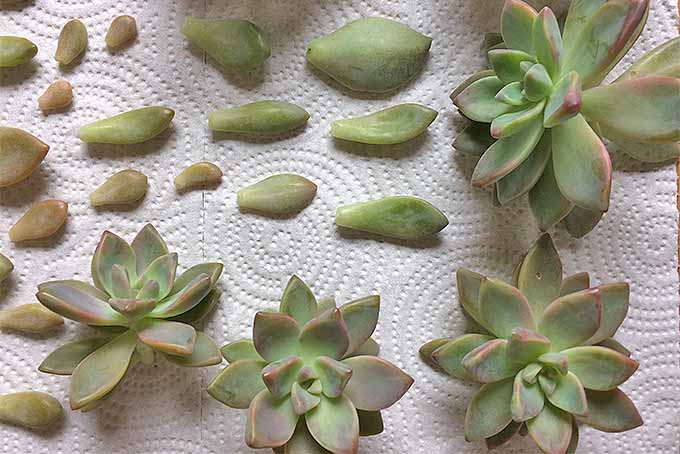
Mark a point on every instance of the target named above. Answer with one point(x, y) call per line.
point(548, 113)
point(140, 306)
point(310, 378)
point(544, 355)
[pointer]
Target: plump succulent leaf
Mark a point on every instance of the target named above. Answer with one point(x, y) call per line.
point(540, 275)
point(537, 84)
point(334, 424)
point(271, 422)
point(173, 338)
point(333, 375)
point(564, 102)
point(657, 61)
point(512, 95)
point(547, 41)
point(530, 373)
point(298, 301)
point(489, 412)
point(301, 442)
point(524, 346)
point(120, 282)
point(646, 152)
point(526, 175)
point(474, 140)
point(184, 300)
point(212, 269)
point(449, 356)
point(556, 361)
point(575, 283)
point(490, 362)
point(547, 383)
point(132, 307)
point(469, 283)
point(240, 349)
point(110, 251)
point(615, 345)
point(325, 335)
point(599, 368)
point(162, 271)
point(80, 302)
point(469, 81)
point(148, 245)
point(569, 395)
point(551, 429)
point(426, 352)
point(275, 335)
point(237, 384)
point(205, 353)
point(527, 400)
point(547, 203)
point(360, 317)
point(503, 308)
point(577, 17)
point(517, 23)
point(514, 122)
point(579, 222)
point(201, 310)
point(375, 384)
point(478, 101)
point(572, 319)
point(279, 376)
point(302, 400)
point(66, 358)
point(611, 411)
point(506, 64)
point(614, 299)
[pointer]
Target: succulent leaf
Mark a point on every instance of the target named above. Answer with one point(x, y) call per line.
point(315, 388)
point(551, 429)
point(540, 275)
point(271, 422)
point(301, 442)
point(514, 122)
point(298, 301)
point(611, 411)
point(490, 362)
point(110, 251)
point(615, 345)
point(489, 412)
point(80, 302)
point(530, 373)
point(556, 361)
point(334, 424)
point(469, 81)
point(512, 95)
point(646, 152)
point(517, 23)
point(547, 41)
point(474, 140)
point(302, 400)
point(449, 355)
point(526, 175)
point(361, 318)
point(120, 282)
point(148, 291)
point(547, 383)
point(148, 245)
point(537, 84)
point(503, 437)
point(212, 269)
point(370, 348)
point(201, 310)
point(237, 384)
point(503, 308)
point(572, 319)
point(468, 284)
point(569, 395)
point(527, 400)
point(575, 283)
point(66, 358)
point(185, 299)
point(279, 376)
point(333, 375)
point(162, 271)
point(132, 307)
point(275, 335)
point(577, 17)
point(565, 101)
point(657, 61)
point(478, 101)
point(506, 64)
point(524, 345)
point(240, 349)
point(205, 353)
point(579, 222)
point(375, 383)
point(174, 338)
point(30, 409)
point(599, 368)
point(615, 299)
point(547, 203)
point(325, 335)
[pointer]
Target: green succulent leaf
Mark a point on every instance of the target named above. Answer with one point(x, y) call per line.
point(132, 307)
point(514, 122)
point(66, 358)
point(449, 355)
point(279, 376)
point(112, 250)
point(298, 301)
point(361, 318)
point(575, 283)
point(506, 64)
point(517, 23)
point(148, 245)
point(237, 384)
point(205, 353)
point(144, 353)
point(315, 388)
point(469, 81)
point(275, 335)
point(547, 203)
point(184, 300)
point(370, 423)
point(489, 412)
point(148, 291)
point(569, 395)
point(615, 299)
point(468, 284)
point(334, 424)
point(375, 383)
point(657, 61)
point(212, 269)
point(474, 140)
point(503, 437)
point(551, 429)
point(325, 335)
point(201, 310)
point(97, 374)
point(579, 222)
point(301, 442)
point(530, 373)
point(271, 422)
point(525, 346)
point(478, 101)
point(120, 282)
point(526, 175)
point(615, 345)
point(527, 400)
point(162, 271)
point(565, 101)
point(572, 319)
point(240, 349)
point(645, 152)
point(333, 375)
point(503, 308)
point(490, 362)
point(540, 275)
point(512, 95)
point(577, 17)
point(302, 400)
point(173, 338)
point(556, 361)
point(547, 383)
point(583, 170)
point(599, 368)
point(80, 302)
point(611, 411)
point(370, 348)
point(548, 41)
point(537, 84)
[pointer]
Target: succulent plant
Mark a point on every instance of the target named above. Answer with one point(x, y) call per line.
point(543, 353)
point(310, 378)
point(140, 306)
point(548, 113)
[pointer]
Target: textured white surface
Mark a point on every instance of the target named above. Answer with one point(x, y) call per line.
point(162, 409)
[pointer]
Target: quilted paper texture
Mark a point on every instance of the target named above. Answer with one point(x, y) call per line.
point(162, 409)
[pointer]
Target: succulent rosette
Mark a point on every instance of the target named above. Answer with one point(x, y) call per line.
point(310, 378)
point(540, 115)
point(543, 353)
point(140, 306)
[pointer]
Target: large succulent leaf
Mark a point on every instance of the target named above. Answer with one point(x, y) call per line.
point(334, 424)
point(271, 422)
point(474, 140)
point(469, 81)
point(579, 222)
point(490, 362)
point(279, 376)
point(375, 383)
point(514, 122)
point(525, 346)
point(646, 152)
point(526, 175)
point(201, 310)
point(489, 410)
point(551, 429)
point(611, 411)
point(615, 299)
point(657, 61)
point(325, 335)
point(205, 353)
point(361, 318)
point(569, 395)
point(184, 300)
point(527, 400)
point(64, 360)
point(644, 109)
point(547, 203)
point(506, 64)
point(575, 283)
point(237, 384)
point(577, 17)
point(600, 368)
point(110, 251)
point(275, 335)
point(564, 102)
point(148, 245)
point(572, 319)
point(540, 275)
point(302, 442)
point(517, 23)
point(370, 423)
point(583, 170)
point(240, 349)
point(478, 101)
point(505, 155)
point(174, 338)
point(212, 269)
point(302, 400)
point(298, 301)
point(162, 271)
point(449, 355)
point(333, 375)
point(548, 41)
point(468, 284)
point(80, 302)
point(503, 308)
point(100, 372)
point(503, 437)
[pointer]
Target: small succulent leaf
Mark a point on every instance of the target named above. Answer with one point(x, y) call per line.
point(97, 374)
point(298, 301)
point(556, 361)
point(449, 356)
point(333, 375)
point(474, 140)
point(503, 308)
point(548, 41)
point(270, 422)
point(237, 384)
point(575, 283)
point(212, 269)
point(526, 175)
point(80, 302)
point(514, 122)
point(583, 170)
point(132, 307)
point(306, 374)
point(530, 373)
point(173, 338)
point(279, 376)
point(505, 155)
point(468, 284)
point(301, 442)
point(527, 400)
point(361, 318)
point(120, 282)
point(517, 23)
point(569, 395)
point(551, 430)
point(565, 101)
point(615, 345)
point(615, 299)
point(478, 101)
point(162, 271)
point(370, 423)
point(334, 424)
point(512, 95)
point(469, 81)
point(66, 358)
point(611, 411)
point(275, 335)
point(540, 275)
point(184, 300)
point(302, 400)
point(547, 383)
point(370, 348)
point(579, 222)
point(599, 368)
point(325, 335)
point(577, 17)
point(660, 60)
point(572, 319)
point(205, 353)
point(240, 349)
point(110, 251)
point(315, 388)
point(609, 33)
point(148, 245)
point(148, 291)
point(489, 412)
point(547, 203)
point(201, 310)
point(503, 437)
point(644, 109)
point(505, 64)
point(490, 362)
point(375, 383)
point(525, 346)
point(537, 84)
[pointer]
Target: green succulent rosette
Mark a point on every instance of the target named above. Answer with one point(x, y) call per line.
point(310, 377)
point(140, 306)
point(540, 114)
point(544, 354)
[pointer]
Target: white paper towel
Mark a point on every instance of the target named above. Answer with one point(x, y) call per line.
point(163, 409)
